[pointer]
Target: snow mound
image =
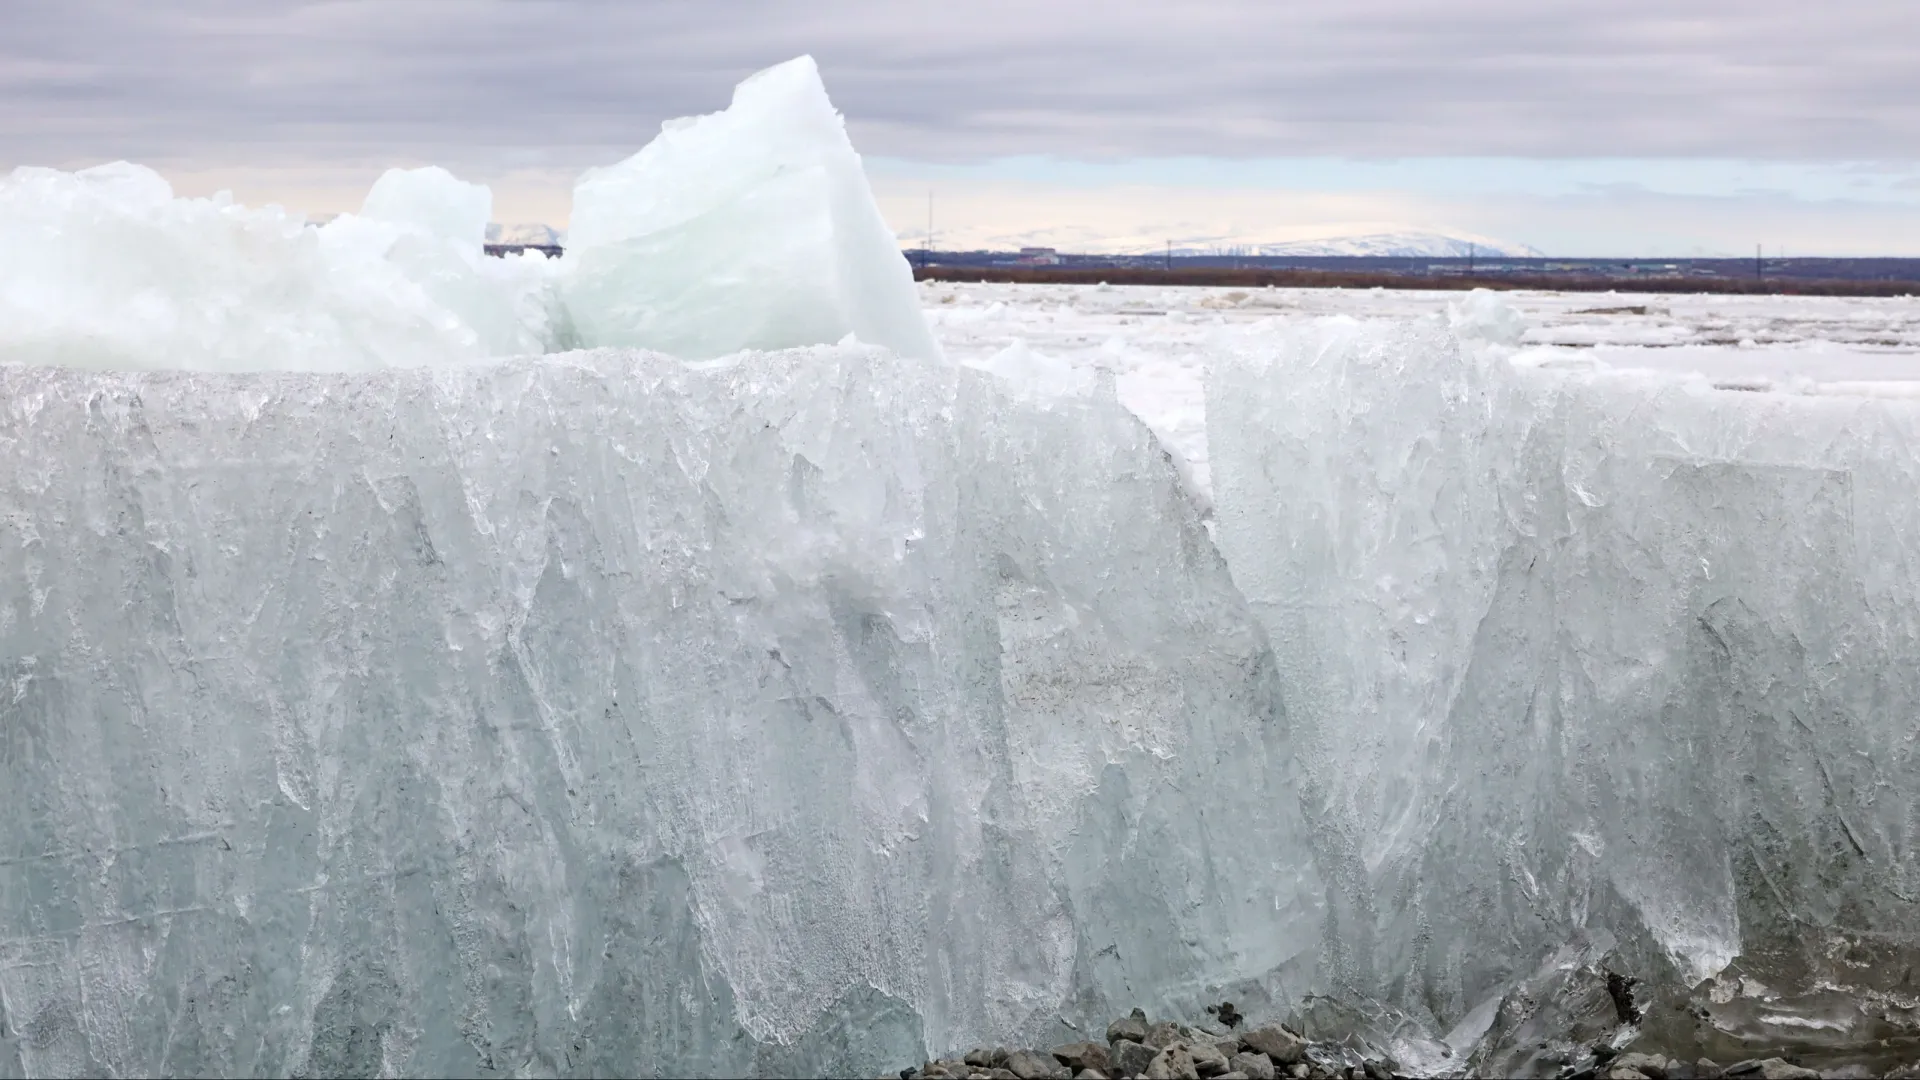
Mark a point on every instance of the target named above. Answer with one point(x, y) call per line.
point(748, 228)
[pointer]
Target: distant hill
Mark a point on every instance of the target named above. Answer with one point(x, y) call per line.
point(1399, 245)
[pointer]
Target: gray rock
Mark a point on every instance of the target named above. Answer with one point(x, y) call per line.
point(998, 1073)
point(1089, 1074)
point(1080, 1056)
point(1232, 1076)
point(1228, 1044)
point(997, 1059)
point(1298, 1070)
point(1207, 1058)
point(1649, 1065)
point(1782, 1069)
point(1132, 1058)
point(1129, 1028)
point(1283, 1046)
point(1032, 1065)
point(1621, 1072)
point(1163, 1034)
point(1255, 1066)
point(980, 1058)
point(1172, 1063)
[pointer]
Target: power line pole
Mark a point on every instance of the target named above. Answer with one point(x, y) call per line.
point(1472, 250)
point(928, 257)
point(1759, 271)
point(1169, 255)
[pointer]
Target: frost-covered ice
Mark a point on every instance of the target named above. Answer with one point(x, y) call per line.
point(805, 711)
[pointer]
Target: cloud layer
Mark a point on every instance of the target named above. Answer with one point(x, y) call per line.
point(530, 83)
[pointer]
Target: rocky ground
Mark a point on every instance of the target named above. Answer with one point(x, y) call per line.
point(1136, 1047)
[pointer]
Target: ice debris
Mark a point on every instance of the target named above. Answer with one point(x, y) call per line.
point(749, 228)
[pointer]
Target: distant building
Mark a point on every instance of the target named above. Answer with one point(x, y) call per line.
point(1039, 256)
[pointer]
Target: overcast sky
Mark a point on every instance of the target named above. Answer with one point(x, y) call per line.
point(1707, 121)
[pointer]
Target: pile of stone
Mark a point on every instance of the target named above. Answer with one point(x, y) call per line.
point(1167, 1051)
point(1611, 1065)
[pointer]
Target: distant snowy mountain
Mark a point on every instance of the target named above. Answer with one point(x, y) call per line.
point(1390, 245)
point(1354, 238)
point(524, 233)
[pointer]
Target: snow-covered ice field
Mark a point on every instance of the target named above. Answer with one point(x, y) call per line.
point(1154, 340)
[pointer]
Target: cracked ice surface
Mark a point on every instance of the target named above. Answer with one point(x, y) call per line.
point(609, 714)
point(1572, 651)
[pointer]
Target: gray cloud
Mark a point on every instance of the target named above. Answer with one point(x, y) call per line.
point(566, 81)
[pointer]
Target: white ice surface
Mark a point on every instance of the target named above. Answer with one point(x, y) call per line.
point(1156, 340)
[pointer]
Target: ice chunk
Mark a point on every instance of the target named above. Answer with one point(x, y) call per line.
point(435, 232)
point(1484, 316)
point(1572, 652)
point(748, 228)
point(105, 268)
point(434, 202)
point(1035, 375)
point(794, 714)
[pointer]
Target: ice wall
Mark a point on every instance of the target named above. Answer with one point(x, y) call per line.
point(105, 268)
point(748, 228)
point(603, 714)
point(1570, 652)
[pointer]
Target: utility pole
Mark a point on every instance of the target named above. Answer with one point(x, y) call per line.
point(1472, 250)
point(1169, 255)
point(1759, 271)
point(928, 257)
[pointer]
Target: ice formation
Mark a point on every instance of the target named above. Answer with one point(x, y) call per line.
point(1575, 652)
point(749, 228)
point(605, 714)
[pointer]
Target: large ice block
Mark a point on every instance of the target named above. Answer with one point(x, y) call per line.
point(749, 228)
point(1573, 653)
point(604, 714)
